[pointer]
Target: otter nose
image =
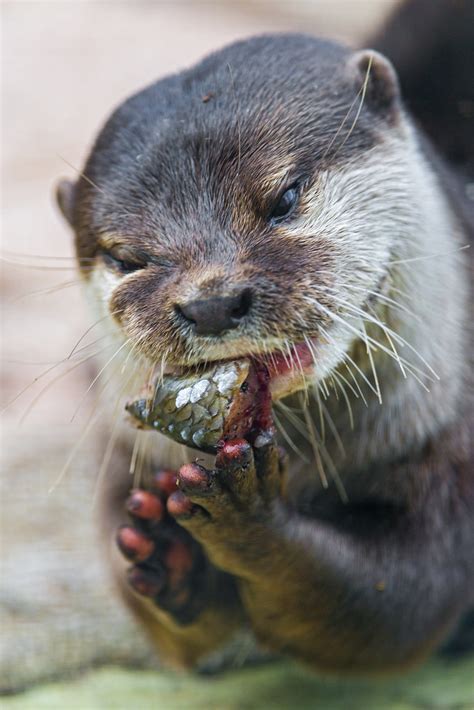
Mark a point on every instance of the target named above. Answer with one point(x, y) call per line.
point(213, 316)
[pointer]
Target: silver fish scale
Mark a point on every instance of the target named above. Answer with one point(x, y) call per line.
point(192, 408)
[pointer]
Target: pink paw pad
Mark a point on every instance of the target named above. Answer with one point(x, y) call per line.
point(192, 475)
point(145, 505)
point(133, 544)
point(165, 482)
point(179, 505)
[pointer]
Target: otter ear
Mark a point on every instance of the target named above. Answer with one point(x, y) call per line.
point(377, 80)
point(65, 198)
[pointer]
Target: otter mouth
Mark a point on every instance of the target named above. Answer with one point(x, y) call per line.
point(226, 400)
point(287, 372)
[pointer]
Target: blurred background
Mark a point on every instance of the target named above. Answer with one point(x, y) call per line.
point(66, 64)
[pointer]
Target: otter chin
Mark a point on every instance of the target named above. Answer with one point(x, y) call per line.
point(277, 203)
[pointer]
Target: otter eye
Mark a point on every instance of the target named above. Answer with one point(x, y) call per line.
point(285, 205)
point(124, 260)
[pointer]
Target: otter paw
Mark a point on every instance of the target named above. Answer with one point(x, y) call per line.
point(169, 566)
point(223, 507)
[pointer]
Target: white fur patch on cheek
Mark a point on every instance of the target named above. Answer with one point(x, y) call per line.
point(103, 283)
point(359, 215)
point(99, 291)
point(359, 212)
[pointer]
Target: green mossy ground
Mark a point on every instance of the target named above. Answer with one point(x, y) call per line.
point(437, 686)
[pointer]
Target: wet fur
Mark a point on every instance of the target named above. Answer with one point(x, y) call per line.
point(189, 182)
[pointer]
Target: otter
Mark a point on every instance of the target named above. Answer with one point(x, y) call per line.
point(279, 200)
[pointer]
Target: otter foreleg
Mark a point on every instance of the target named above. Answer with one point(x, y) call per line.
point(336, 599)
point(187, 606)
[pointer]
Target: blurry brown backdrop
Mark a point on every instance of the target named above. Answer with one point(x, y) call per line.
point(66, 64)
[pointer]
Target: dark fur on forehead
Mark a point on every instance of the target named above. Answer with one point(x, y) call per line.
point(201, 153)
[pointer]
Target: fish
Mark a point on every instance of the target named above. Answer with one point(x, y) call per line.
point(203, 408)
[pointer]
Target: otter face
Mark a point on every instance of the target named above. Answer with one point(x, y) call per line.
point(236, 208)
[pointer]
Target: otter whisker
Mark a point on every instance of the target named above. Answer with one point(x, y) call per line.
point(85, 177)
point(363, 92)
point(38, 363)
point(43, 374)
point(404, 294)
point(98, 376)
point(88, 331)
point(307, 432)
point(333, 374)
point(313, 355)
point(136, 446)
point(386, 299)
point(90, 345)
point(372, 363)
point(438, 255)
point(320, 410)
point(299, 366)
point(404, 364)
point(319, 450)
point(18, 255)
point(100, 393)
point(45, 291)
point(348, 357)
point(292, 416)
point(376, 344)
point(330, 380)
point(320, 453)
point(163, 365)
point(322, 383)
point(52, 382)
point(336, 373)
point(106, 458)
point(292, 361)
point(334, 474)
point(288, 360)
point(114, 434)
point(354, 379)
point(333, 429)
point(395, 351)
point(396, 336)
point(62, 360)
point(75, 448)
point(42, 267)
point(313, 440)
point(336, 379)
point(114, 200)
point(135, 345)
point(272, 360)
point(342, 124)
point(137, 474)
point(325, 387)
point(285, 434)
point(148, 456)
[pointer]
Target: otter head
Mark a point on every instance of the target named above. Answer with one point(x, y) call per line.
point(240, 206)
